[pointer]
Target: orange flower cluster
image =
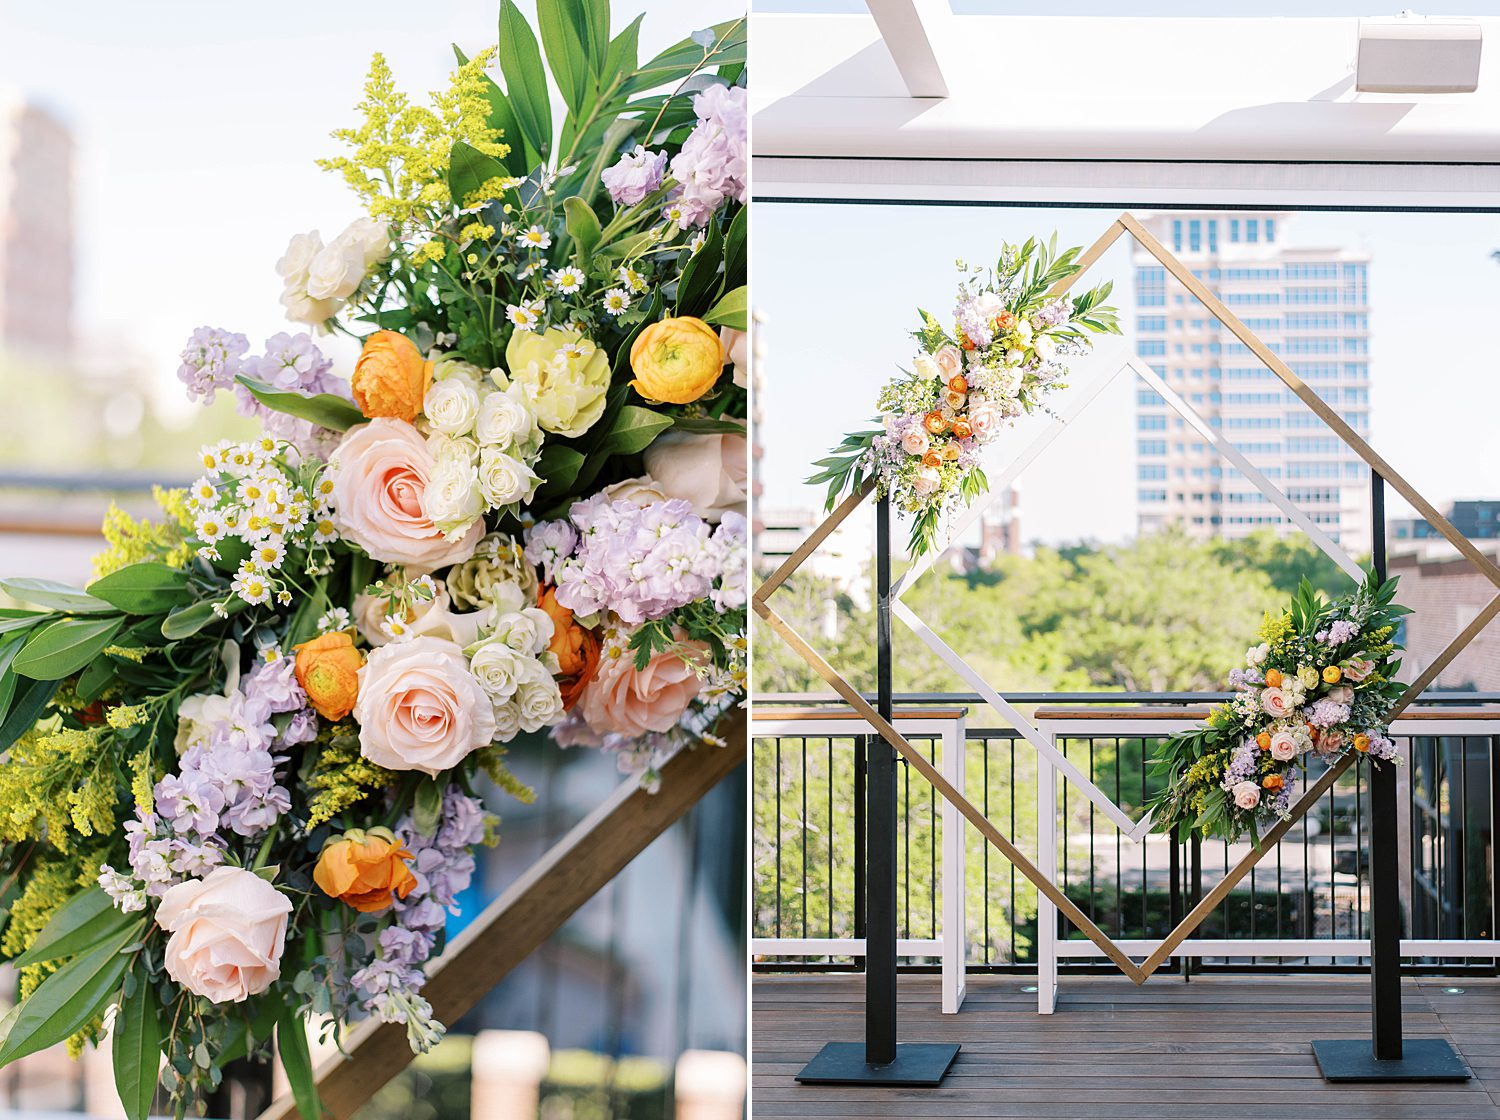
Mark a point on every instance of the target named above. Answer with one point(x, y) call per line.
point(576, 647)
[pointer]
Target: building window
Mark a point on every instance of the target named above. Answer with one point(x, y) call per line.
point(1151, 447)
point(1151, 323)
point(1213, 236)
point(1234, 229)
point(1252, 230)
point(1151, 347)
point(1177, 234)
point(1195, 235)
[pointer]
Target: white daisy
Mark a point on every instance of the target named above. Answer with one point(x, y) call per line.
point(335, 620)
point(632, 279)
point(204, 492)
point(270, 553)
point(534, 237)
point(673, 215)
point(524, 316)
point(324, 531)
point(210, 529)
point(697, 241)
point(616, 300)
point(250, 585)
point(567, 280)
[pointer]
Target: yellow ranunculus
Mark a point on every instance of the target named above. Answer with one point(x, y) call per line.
point(676, 360)
point(565, 375)
point(391, 377)
point(327, 668)
point(1332, 674)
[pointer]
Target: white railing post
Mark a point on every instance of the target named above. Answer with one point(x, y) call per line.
point(955, 880)
point(1046, 862)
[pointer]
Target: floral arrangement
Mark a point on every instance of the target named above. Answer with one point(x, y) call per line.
point(1320, 683)
point(1002, 359)
point(244, 768)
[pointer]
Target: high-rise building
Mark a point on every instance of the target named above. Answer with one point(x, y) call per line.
point(1311, 307)
point(36, 228)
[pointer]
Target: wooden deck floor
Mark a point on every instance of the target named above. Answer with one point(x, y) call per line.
point(1218, 1047)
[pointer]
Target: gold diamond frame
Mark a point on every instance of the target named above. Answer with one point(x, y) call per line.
point(1127, 223)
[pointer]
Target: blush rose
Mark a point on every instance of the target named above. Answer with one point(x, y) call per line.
point(228, 931)
point(420, 708)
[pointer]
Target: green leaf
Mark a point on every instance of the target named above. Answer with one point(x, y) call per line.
point(96, 678)
point(469, 169)
point(63, 647)
point(33, 698)
point(583, 224)
point(700, 278)
point(525, 79)
point(732, 310)
point(70, 997)
point(521, 158)
point(291, 1040)
point(50, 593)
point(558, 467)
point(632, 432)
point(145, 588)
point(23, 621)
point(8, 679)
point(702, 425)
point(187, 621)
point(322, 409)
point(80, 923)
point(137, 1047)
point(623, 55)
point(682, 59)
point(427, 806)
point(735, 248)
point(567, 52)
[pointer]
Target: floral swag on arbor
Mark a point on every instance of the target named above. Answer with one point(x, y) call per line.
point(241, 789)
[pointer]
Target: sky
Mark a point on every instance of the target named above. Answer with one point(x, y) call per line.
point(1149, 7)
point(197, 125)
point(839, 286)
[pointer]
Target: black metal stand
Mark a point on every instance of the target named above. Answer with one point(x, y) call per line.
point(880, 1059)
point(1385, 1056)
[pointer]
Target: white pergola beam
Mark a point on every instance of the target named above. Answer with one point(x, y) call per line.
point(914, 31)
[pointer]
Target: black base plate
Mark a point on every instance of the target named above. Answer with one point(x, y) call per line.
point(1422, 1059)
point(920, 1064)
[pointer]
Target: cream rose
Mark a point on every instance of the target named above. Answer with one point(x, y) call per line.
point(381, 474)
point(451, 406)
point(301, 250)
point(228, 931)
point(949, 361)
point(372, 235)
point(926, 481)
point(629, 702)
point(1246, 795)
point(915, 441)
point(538, 701)
point(710, 471)
point(1275, 703)
point(1283, 746)
point(450, 367)
point(506, 421)
point(735, 343)
point(336, 272)
point(453, 500)
point(927, 368)
point(497, 668)
point(432, 618)
point(504, 479)
point(420, 708)
point(1045, 346)
point(639, 492)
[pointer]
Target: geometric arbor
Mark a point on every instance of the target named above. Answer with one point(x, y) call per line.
point(1126, 223)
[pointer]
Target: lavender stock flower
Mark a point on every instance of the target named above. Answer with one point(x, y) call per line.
point(210, 361)
point(635, 176)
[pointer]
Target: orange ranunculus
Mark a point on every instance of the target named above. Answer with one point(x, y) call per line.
point(1005, 320)
point(935, 422)
point(1272, 781)
point(676, 360)
point(958, 383)
point(576, 647)
point(961, 429)
point(933, 458)
point(965, 341)
point(327, 668)
point(391, 377)
point(1362, 743)
point(1263, 740)
point(365, 868)
point(1332, 674)
point(1273, 678)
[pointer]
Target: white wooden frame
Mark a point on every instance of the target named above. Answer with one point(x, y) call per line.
point(1051, 949)
point(951, 946)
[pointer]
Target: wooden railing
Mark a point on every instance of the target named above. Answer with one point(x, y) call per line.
point(530, 911)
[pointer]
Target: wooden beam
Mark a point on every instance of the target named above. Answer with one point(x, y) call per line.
point(530, 911)
point(914, 32)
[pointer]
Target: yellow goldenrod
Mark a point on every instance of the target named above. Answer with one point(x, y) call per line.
point(132, 541)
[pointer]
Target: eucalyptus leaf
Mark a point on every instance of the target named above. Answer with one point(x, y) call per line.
point(149, 587)
point(63, 647)
point(50, 593)
point(323, 409)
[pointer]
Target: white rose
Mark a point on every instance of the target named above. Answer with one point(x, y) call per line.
point(507, 721)
point(294, 263)
point(504, 479)
point(457, 449)
point(302, 308)
point(497, 668)
point(1283, 746)
point(336, 272)
point(927, 369)
point(926, 481)
point(1045, 346)
point(451, 406)
point(915, 441)
point(1014, 356)
point(452, 500)
point(504, 420)
point(538, 698)
point(527, 631)
point(228, 932)
point(1256, 655)
point(447, 367)
point(372, 236)
point(1246, 795)
point(640, 492)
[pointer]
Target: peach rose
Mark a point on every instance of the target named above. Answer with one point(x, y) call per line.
point(1246, 795)
point(228, 931)
point(1283, 746)
point(630, 702)
point(420, 708)
point(1274, 703)
point(1358, 668)
point(926, 481)
point(575, 647)
point(915, 442)
point(327, 668)
point(391, 377)
point(1342, 694)
point(367, 868)
point(709, 471)
point(381, 470)
point(949, 361)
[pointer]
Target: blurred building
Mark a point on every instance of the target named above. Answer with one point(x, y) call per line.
point(999, 535)
point(1479, 521)
point(1445, 593)
point(36, 228)
point(1311, 307)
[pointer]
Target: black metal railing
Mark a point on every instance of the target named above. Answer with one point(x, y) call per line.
point(807, 836)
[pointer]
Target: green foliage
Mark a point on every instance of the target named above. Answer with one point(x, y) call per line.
point(146, 588)
point(323, 409)
point(138, 1033)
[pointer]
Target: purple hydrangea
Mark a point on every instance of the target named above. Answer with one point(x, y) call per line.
point(712, 165)
point(211, 360)
point(636, 175)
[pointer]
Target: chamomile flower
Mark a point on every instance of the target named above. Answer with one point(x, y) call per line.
point(212, 456)
point(631, 279)
point(524, 316)
point(697, 241)
point(251, 585)
point(616, 301)
point(204, 492)
point(672, 215)
point(210, 528)
point(529, 271)
point(567, 280)
point(270, 553)
point(534, 237)
point(334, 620)
point(284, 597)
point(323, 530)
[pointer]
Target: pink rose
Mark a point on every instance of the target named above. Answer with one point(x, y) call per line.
point(228, 931)
point(1343, 694)
point(985, 421)
point(1330, 741)
point(420, 708)
point(708, 470)
point(735, 345)
point(1275, 704)
point(1283, 746)
point(926, 481)
point(915, 441)
point(381, 470)
point(1358, 668)
point(949, 360)
point(630, 702)
point(1246, 795)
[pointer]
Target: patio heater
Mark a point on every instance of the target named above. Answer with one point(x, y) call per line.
point(1385, 1055)
point(880, 1059)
